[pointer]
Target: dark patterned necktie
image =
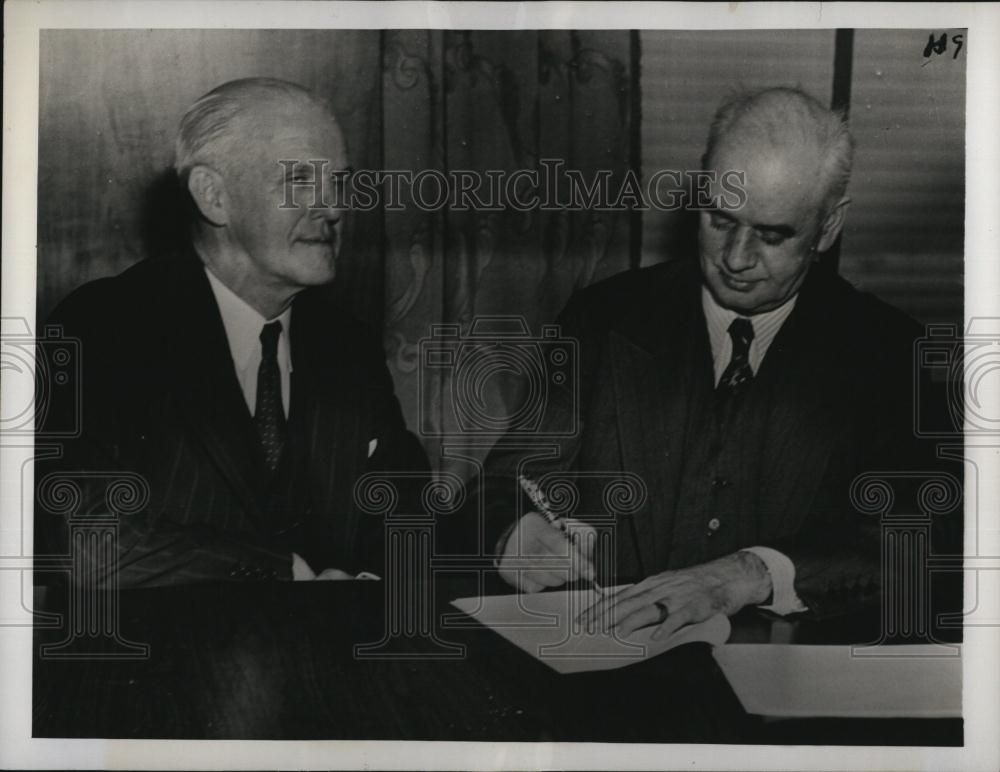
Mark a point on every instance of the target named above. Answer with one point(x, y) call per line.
point(269, 417)
point(737, 375)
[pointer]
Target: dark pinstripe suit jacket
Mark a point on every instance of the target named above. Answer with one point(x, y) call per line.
point(832, 399)
point(160, 398)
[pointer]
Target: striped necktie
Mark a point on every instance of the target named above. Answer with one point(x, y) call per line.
point(269, 417)
point(738, 374)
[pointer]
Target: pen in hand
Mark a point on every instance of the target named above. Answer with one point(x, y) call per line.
point(541, 503)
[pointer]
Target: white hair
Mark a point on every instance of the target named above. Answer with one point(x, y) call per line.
point(784, 115)
point(211, 131)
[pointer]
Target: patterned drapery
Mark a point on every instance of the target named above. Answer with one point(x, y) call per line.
point(495, 101)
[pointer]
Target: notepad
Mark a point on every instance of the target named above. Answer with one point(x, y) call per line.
point(832, 681)
point(542, 624)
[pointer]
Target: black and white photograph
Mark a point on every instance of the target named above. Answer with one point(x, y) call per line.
point(500, 385)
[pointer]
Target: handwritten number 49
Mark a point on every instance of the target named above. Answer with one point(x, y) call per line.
point(940, 45)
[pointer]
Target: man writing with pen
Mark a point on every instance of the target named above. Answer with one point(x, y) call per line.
point(747, 386)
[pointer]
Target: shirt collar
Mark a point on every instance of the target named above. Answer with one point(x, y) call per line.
point(765, 325)
point(243, 324)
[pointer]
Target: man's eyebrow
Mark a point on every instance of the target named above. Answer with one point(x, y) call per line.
point(781, 230)
point(290, 170)
point(786, 231)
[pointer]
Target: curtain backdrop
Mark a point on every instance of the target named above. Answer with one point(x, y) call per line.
point(494, 101)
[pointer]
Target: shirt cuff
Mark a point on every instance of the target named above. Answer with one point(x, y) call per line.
point(782, 571)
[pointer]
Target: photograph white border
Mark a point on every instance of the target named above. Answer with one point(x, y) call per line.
point(24, 19)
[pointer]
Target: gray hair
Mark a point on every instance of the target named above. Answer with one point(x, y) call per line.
point(782, 115)
point(209, 132)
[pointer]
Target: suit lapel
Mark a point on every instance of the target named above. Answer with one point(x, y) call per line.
point(803, 381)
point(326, 416)
point(209, 394)
point(659, 361)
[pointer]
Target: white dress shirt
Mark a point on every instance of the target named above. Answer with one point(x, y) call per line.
point(765, 328)
point(243, 325)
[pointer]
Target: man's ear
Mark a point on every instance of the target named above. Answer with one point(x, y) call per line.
point(208, 190)
point(832, 225)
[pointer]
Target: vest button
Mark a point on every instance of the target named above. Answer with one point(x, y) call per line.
point(713, 524)
point(720, 482)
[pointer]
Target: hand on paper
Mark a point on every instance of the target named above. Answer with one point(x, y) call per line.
point(672, 599)
point(302, 572)
point(539, 555)
point(332, 574)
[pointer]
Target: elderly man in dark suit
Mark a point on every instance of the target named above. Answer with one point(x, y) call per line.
point(224, 378)
point(747, 390)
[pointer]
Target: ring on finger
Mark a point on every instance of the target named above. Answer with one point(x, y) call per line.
point(661, 607)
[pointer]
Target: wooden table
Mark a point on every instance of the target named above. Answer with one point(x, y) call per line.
point(278, 661)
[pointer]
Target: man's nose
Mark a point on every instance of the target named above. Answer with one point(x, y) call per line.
point(331, 213)
point(326, 219)
point(739, 254)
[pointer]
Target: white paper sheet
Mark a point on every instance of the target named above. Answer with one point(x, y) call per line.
point(542, 624)
point(825, 681)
